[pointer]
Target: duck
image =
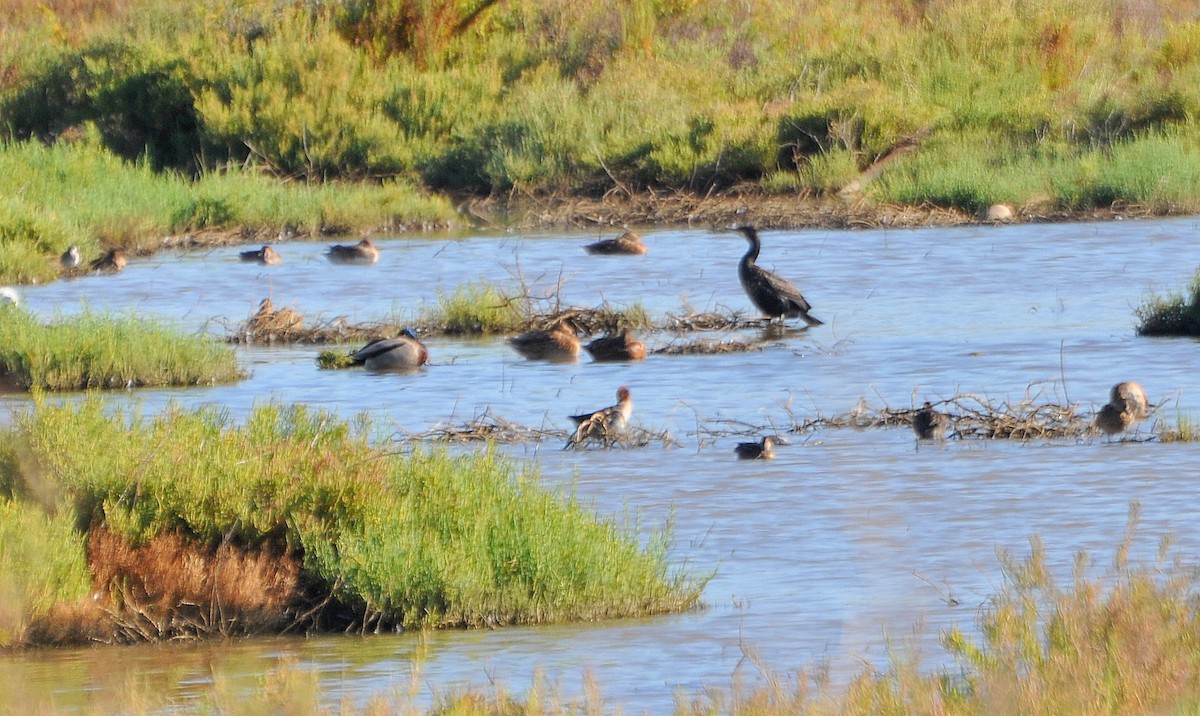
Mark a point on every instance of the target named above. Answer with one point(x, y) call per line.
point(769, 292)
point(928, 423)
point(9, 296)
point(627, 244)
point(266, 255)
point(557, 343)
point(1126, 406)
point(762, 450)
point(604, 425)
point(71, 258)
point(404, 352)
point(621, 347)
point(364, 252)
point(112, 261)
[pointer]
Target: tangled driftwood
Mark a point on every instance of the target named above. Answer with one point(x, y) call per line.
point(970, 416)
point(489, 427)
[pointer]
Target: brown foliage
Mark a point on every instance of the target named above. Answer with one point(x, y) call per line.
point(175, 586)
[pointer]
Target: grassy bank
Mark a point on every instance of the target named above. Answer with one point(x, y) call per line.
point(81, 193)
point(1115, 641)
point(1066, 105)
point(101, 351)
point(380, 539)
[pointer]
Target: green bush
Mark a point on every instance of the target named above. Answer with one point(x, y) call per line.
point(418, 539)
point(141, 101)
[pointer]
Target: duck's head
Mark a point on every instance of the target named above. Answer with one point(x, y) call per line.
point(622, 394)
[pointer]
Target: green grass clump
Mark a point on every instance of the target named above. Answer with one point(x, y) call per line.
point(42, 563)
point(1176, 314)
point(333, 359)
point(421, 539)
point(1185, 430)
point(474, 309)
point(98, 351)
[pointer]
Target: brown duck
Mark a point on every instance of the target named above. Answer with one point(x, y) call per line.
point(557, 343)
point(762, 450)
point(627, 244)
point(364, 252)
point(112, 261)
point(621, 347)
point(265, 255)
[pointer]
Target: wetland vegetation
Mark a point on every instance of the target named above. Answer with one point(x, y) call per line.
point(93, 350)
point(302, 524)
point(1108, 640)
point(251, 117)
point(1175, 314)
point(131, 124)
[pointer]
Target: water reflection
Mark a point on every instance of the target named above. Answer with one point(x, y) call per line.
point(845, 540)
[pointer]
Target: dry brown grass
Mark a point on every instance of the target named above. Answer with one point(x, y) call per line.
point(173, 586)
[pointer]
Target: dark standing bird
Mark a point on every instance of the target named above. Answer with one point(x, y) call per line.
point(557, 343)
point(364, 252)
point(603, 425)
point(112, 261)
point(404, 352)
point(772, 294)
point(627, 244)
point(265, 255)
point(761, 450)
point(1126, 405)
point(928, 423)
point(621, 347)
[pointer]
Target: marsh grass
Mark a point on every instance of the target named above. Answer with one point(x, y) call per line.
point(1116, 639)
point(42, 564)
point(420, 538)
point(80, 193)
point(1175, 314)
point(1062, 105)
point(475, 309)
point(1185, 430)
point(101, 351)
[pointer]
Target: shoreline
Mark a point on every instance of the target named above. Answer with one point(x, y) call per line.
point(651, 210)
point(767, 211)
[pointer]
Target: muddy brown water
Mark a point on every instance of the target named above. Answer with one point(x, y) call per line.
point(845, 543)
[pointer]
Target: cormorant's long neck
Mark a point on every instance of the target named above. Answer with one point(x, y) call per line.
point(755, 246)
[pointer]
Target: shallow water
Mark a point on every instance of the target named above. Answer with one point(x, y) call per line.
point(847, 541)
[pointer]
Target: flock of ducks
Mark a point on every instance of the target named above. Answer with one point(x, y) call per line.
point(774, 296)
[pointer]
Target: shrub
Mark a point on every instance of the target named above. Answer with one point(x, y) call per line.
point(1176, 314)
point(415, 539)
